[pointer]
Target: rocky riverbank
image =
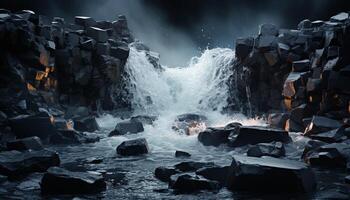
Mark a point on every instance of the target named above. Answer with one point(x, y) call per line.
point(58, 78)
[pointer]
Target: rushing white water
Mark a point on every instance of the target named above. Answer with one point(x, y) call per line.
point(201, 87)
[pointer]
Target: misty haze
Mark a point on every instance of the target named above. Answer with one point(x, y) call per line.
point(176, 99)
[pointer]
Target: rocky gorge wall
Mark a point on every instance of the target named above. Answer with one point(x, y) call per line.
point(295, 74)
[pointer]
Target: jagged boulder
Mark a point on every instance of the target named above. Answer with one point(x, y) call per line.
point(320, 124)
point(275, 149)
point(133, 147)
point(33, 143)
point(164, 173)
point(250, 174)
point(61, 181)
point(214, 136)
point(86, 124)
point(15, 164)
point(254, 135)
point(188, 184)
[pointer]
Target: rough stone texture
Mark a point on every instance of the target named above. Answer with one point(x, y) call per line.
point(133, 147)
point(61, 181)
point(214, 136)
point(33, 143)
point(250, 174)
point(254, 135)
point(188, 184)
point(15, 164)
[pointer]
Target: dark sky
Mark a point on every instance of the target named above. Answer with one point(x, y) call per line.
point(182, 27)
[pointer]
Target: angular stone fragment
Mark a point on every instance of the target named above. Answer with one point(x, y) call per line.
point(61, 181)
point(133, 147)
point(214, 136)
point(216, 173)
point(294, 81)
point(193, 166)
point(188, 184)
point(84, 21)
point(254, 135)
point(266, 149)
point(98, 34)
point(301, 66)
point(144, 119)
point(87, 124)
point(164, 174)
point(320, 124)
point(277, 120)
point(32, 125)
point(130, 126)
point(330, 155)
point(182, 154)
point(251, 174)
point(243, 47)
point(33, 143)
point(120, 52)
point(15, 164)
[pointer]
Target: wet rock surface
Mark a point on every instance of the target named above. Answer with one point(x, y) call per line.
point(133, 147)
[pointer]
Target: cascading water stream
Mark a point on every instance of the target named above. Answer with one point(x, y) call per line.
point(200, 88)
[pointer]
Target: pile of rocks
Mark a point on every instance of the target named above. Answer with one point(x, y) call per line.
point(307, 66)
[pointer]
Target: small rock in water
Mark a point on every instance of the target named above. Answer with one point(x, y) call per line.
point(144, 119)
point(182, 154)
point(61, 181)
point(216, 173)
point(133, 147)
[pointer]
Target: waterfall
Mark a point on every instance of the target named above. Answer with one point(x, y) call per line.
point(199, 87)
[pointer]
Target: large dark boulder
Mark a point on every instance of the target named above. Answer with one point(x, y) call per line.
point(61, 181)
point(130, 126)
point(32, 125)
point(133, 147)
point(254, 135)
point(269, 174)
point(214, 136)
point(15, 164)
point(188, 184)
point(33, 143)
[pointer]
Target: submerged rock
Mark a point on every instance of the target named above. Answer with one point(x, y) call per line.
point(15, 164)
point(254, 135)
point(61, 181)
point(133, 147)
point(144, 119)
point(251, 174)
point(130, 126)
